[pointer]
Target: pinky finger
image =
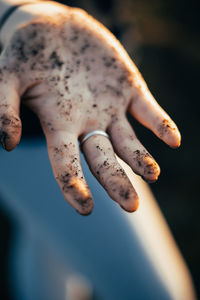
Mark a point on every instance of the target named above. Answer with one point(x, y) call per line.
point(149, 113)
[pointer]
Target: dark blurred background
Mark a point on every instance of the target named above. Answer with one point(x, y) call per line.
point(162, 37)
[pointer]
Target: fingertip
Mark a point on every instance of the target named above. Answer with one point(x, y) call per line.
point(8, 142)
point(86, 208)
point(84, 213)
point(175, 140)
point(151, 170)
point(169, 133)
point(11, 144)
point(150, 181)
point(131, 206)
point(10, 131)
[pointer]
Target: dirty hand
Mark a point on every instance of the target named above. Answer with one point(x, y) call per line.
point(74, 74)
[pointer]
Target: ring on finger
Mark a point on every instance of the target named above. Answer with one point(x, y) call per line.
point(90, 134)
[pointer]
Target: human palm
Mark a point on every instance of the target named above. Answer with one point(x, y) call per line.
point(77, 78)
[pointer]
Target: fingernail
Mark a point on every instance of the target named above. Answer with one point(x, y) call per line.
point(148, 180)
point(3, 136)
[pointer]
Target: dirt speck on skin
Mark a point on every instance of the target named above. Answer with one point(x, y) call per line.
point(106, 163)
point(99, 148)
point(9, 120)
point(124, 193)
point(108, 61)
point(10, 127)
point(165, 128)
point(84, 47)
point(140, 156)
point(65, 181)
point(84, 202)
point(145, 163)
point(56, 62)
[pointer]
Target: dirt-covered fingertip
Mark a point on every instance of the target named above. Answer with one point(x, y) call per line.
point(175, 140)
point(151, 172)
point(131, 205)
point(10, 130)
point(9, 141)
point(169, 133)
point(86, 208)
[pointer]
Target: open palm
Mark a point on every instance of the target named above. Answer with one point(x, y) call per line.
point(77, 78)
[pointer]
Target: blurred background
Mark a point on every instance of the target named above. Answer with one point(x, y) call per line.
point(162, 37)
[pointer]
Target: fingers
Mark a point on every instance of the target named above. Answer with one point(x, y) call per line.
point(128, 147)
point(65, 160)
point(103, 164)
point(10, 123)
point(149, 113)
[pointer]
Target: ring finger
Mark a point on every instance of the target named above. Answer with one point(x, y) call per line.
point(103, 164)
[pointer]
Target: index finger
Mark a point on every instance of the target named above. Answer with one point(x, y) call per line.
point(103, 164)
point(149, 113)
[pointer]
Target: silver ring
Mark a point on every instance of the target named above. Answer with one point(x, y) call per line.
point(95, 132)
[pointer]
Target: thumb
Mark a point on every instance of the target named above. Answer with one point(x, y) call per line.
point(10, 123)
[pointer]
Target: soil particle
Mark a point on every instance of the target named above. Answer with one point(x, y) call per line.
point(55, 61)
point(86, 203)
point(149, 167)
point(99, 148)
point(84, 47)
point(124, 193)
point(105, 163)
point(108, 61)
point(165, 128)
point(7, 120)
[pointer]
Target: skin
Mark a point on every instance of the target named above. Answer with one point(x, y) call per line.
point(74, 74)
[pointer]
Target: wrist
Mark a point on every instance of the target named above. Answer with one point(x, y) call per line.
point(24, 13)
point(7, 4)
point(8, 9)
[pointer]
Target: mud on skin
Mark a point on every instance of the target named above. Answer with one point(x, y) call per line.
point(114, 179)
point(165, 128)
point(77, 78)
point(10, 128)
point(70, 177)
point(85, 203)
point(149, 168)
